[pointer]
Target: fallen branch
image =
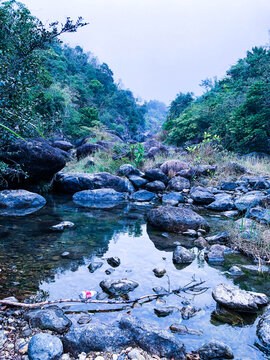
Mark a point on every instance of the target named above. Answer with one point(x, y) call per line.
point(187, 288)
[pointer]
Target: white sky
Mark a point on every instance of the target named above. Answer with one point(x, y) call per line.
point(160, 47)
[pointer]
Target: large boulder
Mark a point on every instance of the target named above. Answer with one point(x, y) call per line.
point(74, 182)
point(201, 195)
point(88, 149)
point(20, 202)
point(176, 219)
point(45, 347)
point(118, 287)
point(172, 167)
point(222, 202)
point(215, 349)
point(128, 331)
point(99, 198)
point(178, 183)
point(237, 299)
point(49, 319)
point(37, 158)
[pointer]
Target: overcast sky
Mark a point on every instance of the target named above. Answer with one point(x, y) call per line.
point(160, 47)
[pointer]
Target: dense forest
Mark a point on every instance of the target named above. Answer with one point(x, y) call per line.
point(236, 108)
point(47, 88)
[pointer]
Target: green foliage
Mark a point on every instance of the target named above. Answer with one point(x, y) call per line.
point(235, 108)
point(155, 116)
point(137, 154)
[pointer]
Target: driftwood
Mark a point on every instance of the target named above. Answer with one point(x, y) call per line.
point(194, 289)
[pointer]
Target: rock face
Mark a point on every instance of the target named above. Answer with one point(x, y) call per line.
point(88, 149)
point(100, 198)
point(172, 219)
point(249, 200)
point(127, 332)
point(143, 195)
point(239, 300)
point(201, 195)
point(37, 158)
point(215, 349)
point(182, 256)
point(49, 319)
point(45, 347)
point(222, 202)
point(74, 182)
point(20, 202)
point(178, 183)
point(263, 328)
point(118, 287)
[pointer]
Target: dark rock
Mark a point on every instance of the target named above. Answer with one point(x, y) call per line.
point(143, 195)
point(100, 198)
point(259, 214)
point(229, 185)
point(48, 319)
point(237, 299)
point(37, 158)
point(109, 271)
point(128, 170)
point(45, 347)
point(62, 226)
point(227, 316)
point(62, 144)
point(200, 242)
point(118, 287)
point(163, 311)
point(172, 167)
point(174, 219)
point(178, 183)
point(188, 311)
point(84, 319)
point(159, 272)
point(263, 329)
point(221, 238)
point(156, 174)
point(222, 202)
point(88, 149)
point(215, 349)
point(75, 182)
point(201, 195)
point(182, 256)
point(159, 290)
point(94, 265)
point(114, 261)
point(138, 181)
point(155, 186)
point(20, 202)
point(249, 200)
point(173, 198)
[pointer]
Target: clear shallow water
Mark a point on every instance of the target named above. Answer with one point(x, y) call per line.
point(31, 263)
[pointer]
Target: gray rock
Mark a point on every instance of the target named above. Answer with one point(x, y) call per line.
point(143, 195)
point(216, 254)
point(249, 200)
point(127, 170)
point(156, 174)
point(222, 202)
point(221, 238)
point(163, 311)
point(200, 242)
point(94, 265)
point(178, 183)
point(172, 219)
point(114, 261)
point(215, 349)
point(118, 287)
point(171, 167)
point(62, 226)
point(75, 182)
point(138, 181)
point(3, 338)
point(231, 213)
point(20, 202)
point(235, 271)
point(263, 328)
point(48, 319)
point(135, 354)
point(182, 256)
point(259, 214)
point(228, 186)
point(173, 198)
point(155, 186)
point(256, 269)
point(188, 311)
point(183, 330)
point(201, 195)
point(100, 198)
point(45, 347)
point(237, 299)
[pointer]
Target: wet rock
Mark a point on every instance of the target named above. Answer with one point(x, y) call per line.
point(173, 198)
point(215, 349)
point(88, 149)
point(263, 328)
point(94, 265)
point(65, 254)
point(138, 181)
point(100, 198)
point(237, 299)
point(188, 311)
point(183, 330)
point(143, 196)
point(128, 170)
point(173, 219)
point(155, 186)
point(216, 254)
point(182, 256)
point(221, 238)
point(156, 174)
point(235, 271)
point(249, 200)
point(75, 182)
point(200, 242)
point(114, 261)
point(172, 167)
point(163, 311)
point(259, 214)
point(201, 195)
point(222, 202)
point(118, 287)
point(45, 347)
point(62, 226)
point(159, 272)
point(227, 316)
point(20, 202)
point(178, 183)
point(48, 319)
